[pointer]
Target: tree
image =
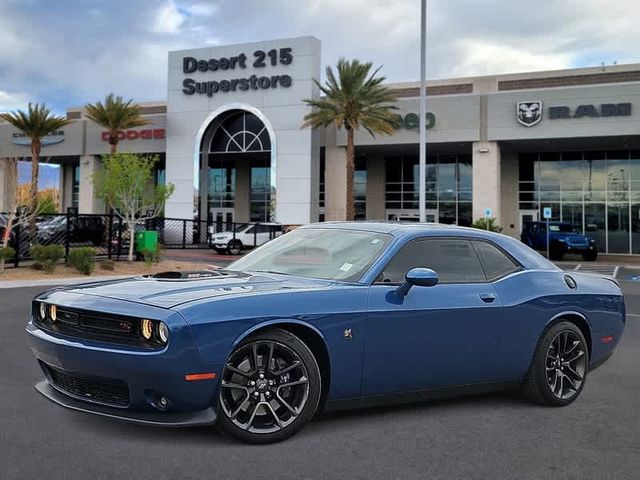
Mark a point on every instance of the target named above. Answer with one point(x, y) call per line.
point(18, 213)
point(489, 224)
point(115, 115)
point(125, 182)
point(354, 98)
point(36, 123)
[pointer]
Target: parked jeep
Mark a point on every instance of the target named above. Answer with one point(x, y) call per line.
point(563, 238)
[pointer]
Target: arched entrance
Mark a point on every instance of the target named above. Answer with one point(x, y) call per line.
point(236, 169)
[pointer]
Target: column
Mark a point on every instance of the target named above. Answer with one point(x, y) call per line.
point(87, 202)
point(486, 180)
point(376, 188)
point(510, 176)
point(335, 179)
point(242, 205)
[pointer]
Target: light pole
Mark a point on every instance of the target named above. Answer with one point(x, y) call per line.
point(423, 112)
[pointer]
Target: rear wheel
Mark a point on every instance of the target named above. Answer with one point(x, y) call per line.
point(234, 247)
point(559, 366)
point(270, 388)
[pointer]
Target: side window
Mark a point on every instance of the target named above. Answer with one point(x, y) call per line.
point(454, 260)
point(495, 263)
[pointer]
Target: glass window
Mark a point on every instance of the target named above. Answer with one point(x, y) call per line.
point(331, 254)
point(494, 262)
point(454, 260)
point(618, 227)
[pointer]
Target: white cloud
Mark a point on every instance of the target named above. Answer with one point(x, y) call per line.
point(168, 19)
point(202, 9)
point(13, 101)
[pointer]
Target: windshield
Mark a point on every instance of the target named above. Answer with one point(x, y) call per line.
point(562, 227)
point(318, 253)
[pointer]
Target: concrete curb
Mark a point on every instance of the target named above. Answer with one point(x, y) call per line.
point(58, 281)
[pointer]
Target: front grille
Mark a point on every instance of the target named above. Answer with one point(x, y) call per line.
point(95, 326)
point(107, 391)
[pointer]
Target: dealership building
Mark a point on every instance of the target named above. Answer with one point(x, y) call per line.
point(229, 138)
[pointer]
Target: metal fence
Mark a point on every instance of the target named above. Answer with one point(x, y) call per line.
point(110, 236)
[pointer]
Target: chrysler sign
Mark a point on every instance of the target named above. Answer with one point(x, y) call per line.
point(530, 112)
point(257, 61)
point(20, 138)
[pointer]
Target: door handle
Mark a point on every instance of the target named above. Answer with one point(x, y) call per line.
point(487, 297)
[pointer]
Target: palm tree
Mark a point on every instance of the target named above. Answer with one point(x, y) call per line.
point(36, 123)
point(115, 114)
point(356, 98)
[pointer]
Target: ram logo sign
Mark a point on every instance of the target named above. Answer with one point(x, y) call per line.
point(529, 113)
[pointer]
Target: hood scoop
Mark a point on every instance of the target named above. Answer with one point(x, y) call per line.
point(195, 275)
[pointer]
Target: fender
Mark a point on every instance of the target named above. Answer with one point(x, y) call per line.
point(277, 321)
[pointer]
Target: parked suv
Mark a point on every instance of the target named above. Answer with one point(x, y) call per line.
point(563, 238)
point(242, 236)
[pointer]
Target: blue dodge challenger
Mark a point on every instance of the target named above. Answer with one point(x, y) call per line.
point(328, 315)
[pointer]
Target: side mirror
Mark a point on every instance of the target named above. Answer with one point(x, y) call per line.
point(420, 277)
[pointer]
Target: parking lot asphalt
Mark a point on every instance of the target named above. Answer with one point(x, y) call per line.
point(497, 436)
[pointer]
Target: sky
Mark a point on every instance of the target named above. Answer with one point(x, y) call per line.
point(70, 52)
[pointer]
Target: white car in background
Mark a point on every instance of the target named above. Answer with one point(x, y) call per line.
point(243, 236)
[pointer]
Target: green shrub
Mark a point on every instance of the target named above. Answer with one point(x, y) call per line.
point(46, 256)
point(7, 252)
point(481, 223)
point(151, 256)
point(82, 259)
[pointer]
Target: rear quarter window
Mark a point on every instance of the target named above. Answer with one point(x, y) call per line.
point(495, 262)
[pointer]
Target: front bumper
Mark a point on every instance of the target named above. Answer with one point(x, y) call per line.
point(148, 374)
point(581, 249)
point(163, 419)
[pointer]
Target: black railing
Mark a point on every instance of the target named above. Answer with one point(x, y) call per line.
point(110, 236)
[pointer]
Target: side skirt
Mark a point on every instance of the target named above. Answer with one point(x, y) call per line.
point(420, 395)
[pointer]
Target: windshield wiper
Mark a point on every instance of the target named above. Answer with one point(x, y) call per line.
point(269, 271)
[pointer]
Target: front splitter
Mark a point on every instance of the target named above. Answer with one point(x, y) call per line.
point(159, 419)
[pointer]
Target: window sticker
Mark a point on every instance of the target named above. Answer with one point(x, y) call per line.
point(346, 267)
point(375, 240)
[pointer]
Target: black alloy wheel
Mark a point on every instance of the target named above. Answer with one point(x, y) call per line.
point(234, 247)
point(559, 367)
point(270, 388)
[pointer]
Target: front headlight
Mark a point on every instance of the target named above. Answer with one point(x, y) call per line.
point(43, 311)
point(146, 328)
point(53, 313)
point(163, 332)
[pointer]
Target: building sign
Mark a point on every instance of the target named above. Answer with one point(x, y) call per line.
point(603, 110)
point(260, 59)
point(19, 138)
point(146, 134)
point(530, 113)
point(411, 121)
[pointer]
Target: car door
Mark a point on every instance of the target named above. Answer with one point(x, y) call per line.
point(436, 336)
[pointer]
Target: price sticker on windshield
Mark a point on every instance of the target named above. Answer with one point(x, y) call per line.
point(546, 213)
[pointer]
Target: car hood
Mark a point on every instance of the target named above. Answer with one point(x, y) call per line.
point(169, 293)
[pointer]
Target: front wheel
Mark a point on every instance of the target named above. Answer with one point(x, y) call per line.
point(559, 366)
point(590, 256)
point(234, 247)
point(270, 388)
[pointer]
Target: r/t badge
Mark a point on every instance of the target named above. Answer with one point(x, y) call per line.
point(348, 334)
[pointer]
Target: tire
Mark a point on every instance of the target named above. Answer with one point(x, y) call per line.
point(255, 405)
point(234, 247)
point(546, 382)
point(590, 256)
